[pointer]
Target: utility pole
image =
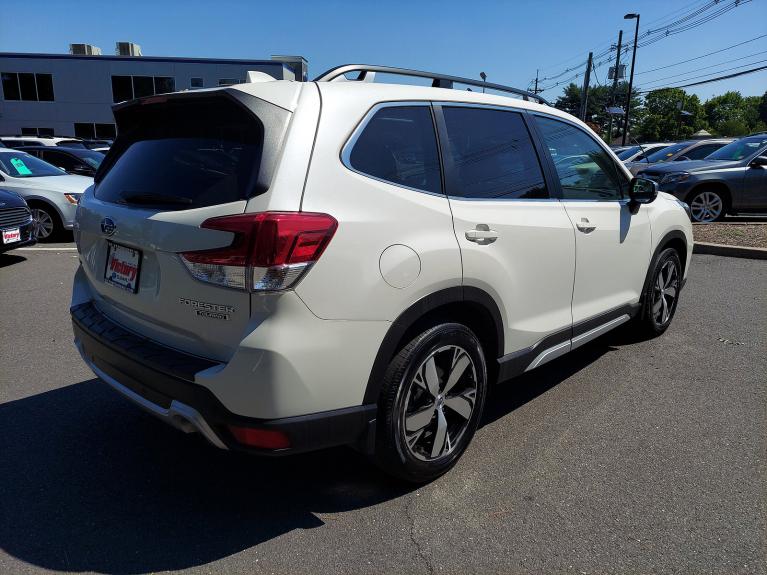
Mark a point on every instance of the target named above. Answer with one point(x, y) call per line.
point(631, 78)
point(615, 86)
point(535, 90)
point(585, 91)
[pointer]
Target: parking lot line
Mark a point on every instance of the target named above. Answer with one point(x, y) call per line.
point(67, 249)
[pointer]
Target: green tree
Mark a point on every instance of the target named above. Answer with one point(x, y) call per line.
point(596, 112)
point(762, 107)
point(663, 119)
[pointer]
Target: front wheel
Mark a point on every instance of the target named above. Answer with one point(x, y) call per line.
point(431, 401)
point(707, 206)
point(662, 294)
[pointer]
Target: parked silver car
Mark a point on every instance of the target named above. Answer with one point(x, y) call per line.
point(51, 193)
point(639, 153)
point(681, 152)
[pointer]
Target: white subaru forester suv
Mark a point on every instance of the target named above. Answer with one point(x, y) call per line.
point(286, 266)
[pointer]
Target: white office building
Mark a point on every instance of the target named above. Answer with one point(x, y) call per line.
point(72, 94)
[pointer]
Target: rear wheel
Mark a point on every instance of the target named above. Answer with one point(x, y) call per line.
point(46, 222)
point(662, 294)
point(431, 402)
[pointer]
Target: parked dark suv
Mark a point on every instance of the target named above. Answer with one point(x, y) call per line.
point(731, 180)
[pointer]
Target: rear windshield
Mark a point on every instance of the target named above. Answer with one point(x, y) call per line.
point(71, 144)
point(184, 154)
point(628, 152)
point(22, 165)
point(738, 149)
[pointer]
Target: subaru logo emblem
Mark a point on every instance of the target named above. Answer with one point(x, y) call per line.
point(108, 226)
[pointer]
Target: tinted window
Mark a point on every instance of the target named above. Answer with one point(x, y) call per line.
point(106, 131)
point(84, 130)
point(143, 86)
point(398, 145)
point(492, 155)
point(182, 155)
point(22, 165)
point(627, 153)
point(44, 87)
point(122, 88)
point(27, 84)
point(586, 171)
point(163, 85)
point(702, 151)
point(60, 160)
point(11, 86)
point(195, 83)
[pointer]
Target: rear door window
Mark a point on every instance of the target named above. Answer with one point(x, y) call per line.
point(398, 145)
point(184, 154)
point(492, 155)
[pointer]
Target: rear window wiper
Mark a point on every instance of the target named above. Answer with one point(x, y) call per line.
point(158, 199)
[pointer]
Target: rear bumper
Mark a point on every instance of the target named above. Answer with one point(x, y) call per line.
point(161, 381)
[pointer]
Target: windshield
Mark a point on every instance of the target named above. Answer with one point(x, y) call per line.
point(739, 149)
point(665, 154)
point(93, 159)
point(628, 152)
point(22, 165)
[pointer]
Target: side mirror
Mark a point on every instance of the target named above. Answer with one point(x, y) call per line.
point(758, 162)
point(642, 191)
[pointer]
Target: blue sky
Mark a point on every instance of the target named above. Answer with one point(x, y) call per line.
point(507, 40)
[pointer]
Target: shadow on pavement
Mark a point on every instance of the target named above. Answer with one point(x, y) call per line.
point(91, 483)
point(10, 259)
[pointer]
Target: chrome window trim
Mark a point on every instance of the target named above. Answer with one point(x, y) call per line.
point(346, 150)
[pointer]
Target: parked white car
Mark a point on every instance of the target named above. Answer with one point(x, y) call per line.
point(287, 266)
point(50, 192)
point(53, 141)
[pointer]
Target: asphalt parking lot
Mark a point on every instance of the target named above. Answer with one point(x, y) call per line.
point(625, 457)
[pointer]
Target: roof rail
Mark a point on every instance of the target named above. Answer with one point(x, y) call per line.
point(367, 73)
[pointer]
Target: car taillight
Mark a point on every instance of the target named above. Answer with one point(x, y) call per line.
point(261, 438)
point(270, 250)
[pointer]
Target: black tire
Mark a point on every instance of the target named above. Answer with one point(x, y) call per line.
point(438, 351)
point(654, 318)
point(707, 204)
point(44, 215)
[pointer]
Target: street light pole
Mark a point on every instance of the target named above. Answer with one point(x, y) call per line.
point(631, 78)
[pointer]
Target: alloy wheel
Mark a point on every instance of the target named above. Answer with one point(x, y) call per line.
point(42, 223)
point(439, 403)
point(665, 292)
point(706, 207)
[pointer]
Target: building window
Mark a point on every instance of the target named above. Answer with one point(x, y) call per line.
point(91, 131)
point(129, 87)
point(122, 88)
point(37, 131)
point(27, 86)
point(196, 83)
point(229, 81)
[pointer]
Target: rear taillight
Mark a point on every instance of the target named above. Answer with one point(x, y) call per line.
point(270, 250)
point(260, 438)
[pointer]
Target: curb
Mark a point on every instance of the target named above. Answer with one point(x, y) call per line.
point(730, 251)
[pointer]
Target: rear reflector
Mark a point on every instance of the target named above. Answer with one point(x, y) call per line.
point(269, 251)
point(261, 438)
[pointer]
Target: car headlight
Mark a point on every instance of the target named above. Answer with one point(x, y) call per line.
point(73, 198)
point(674, 178)
point(685, 207)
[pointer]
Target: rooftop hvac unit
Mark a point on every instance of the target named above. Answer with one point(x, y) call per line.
point(84, 50)
point(127, 49)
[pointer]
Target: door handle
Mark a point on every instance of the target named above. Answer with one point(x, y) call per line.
point(585, 226)
point(482, 235)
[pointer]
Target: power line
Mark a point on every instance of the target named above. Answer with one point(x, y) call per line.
point(710, 80)
point(699, 57)
point(677, 26)
point(718, 71)
point(656, 80)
